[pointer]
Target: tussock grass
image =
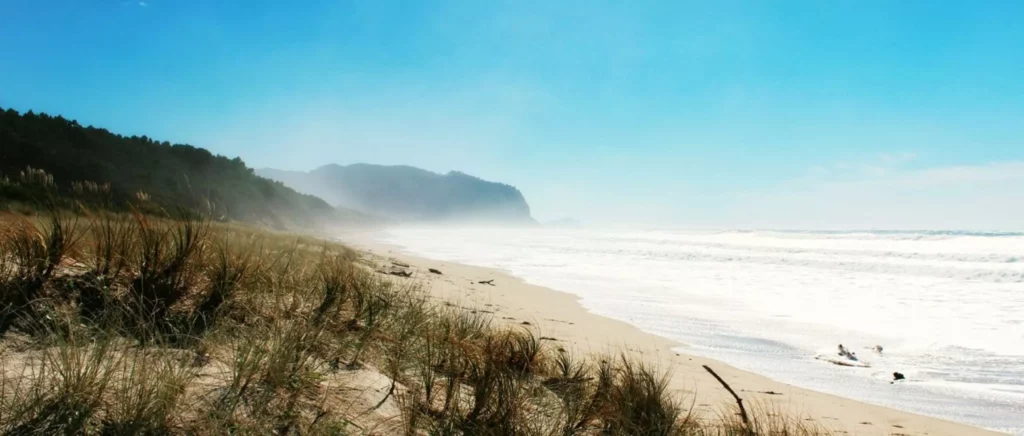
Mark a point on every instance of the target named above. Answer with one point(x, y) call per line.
point(148, 391)
point(639, 402)
point(165, 267)
point(113, 243)
point(32, 254)
point(65, 389)
point(147, 325)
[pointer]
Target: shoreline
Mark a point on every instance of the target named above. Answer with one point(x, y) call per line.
point(560, 317)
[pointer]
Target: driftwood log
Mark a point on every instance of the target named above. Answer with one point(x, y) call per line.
point(396, 272)
point(739, 401)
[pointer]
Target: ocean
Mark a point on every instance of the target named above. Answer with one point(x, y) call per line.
point(947, 307)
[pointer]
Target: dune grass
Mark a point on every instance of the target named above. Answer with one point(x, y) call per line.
point(132, 324)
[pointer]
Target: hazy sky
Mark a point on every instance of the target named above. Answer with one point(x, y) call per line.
point(816, 114)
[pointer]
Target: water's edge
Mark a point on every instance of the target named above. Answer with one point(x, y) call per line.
point(707, 336)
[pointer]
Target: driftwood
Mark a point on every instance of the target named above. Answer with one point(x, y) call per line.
point(397, 263)
point(739, 401)
point(487, 282)
point(396, 272)
point(435, 271)
point(763, 392)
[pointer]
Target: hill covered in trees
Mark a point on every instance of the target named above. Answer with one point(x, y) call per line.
point(163, 175)
point(410, 194)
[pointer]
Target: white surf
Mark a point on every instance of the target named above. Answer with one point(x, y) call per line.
point(946, 306)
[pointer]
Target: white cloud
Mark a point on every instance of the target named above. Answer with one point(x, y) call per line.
point(143, 4)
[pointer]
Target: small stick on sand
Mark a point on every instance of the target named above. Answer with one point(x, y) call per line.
point(739, 401)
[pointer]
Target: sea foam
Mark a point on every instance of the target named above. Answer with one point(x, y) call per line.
point(948, 307)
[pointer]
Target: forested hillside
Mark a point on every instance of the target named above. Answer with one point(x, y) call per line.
point(168, 176)
point(407, 193)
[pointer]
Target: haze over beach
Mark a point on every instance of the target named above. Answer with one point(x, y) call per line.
point(736, 184)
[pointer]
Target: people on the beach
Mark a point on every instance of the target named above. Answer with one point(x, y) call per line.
point(844, 352)
point(851, 356)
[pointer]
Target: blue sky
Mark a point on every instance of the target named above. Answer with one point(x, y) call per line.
point(816, 114)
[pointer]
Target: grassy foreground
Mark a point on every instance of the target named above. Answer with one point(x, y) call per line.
point(129, 324)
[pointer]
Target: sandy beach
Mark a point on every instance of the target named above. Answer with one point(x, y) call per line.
point(558, 317)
